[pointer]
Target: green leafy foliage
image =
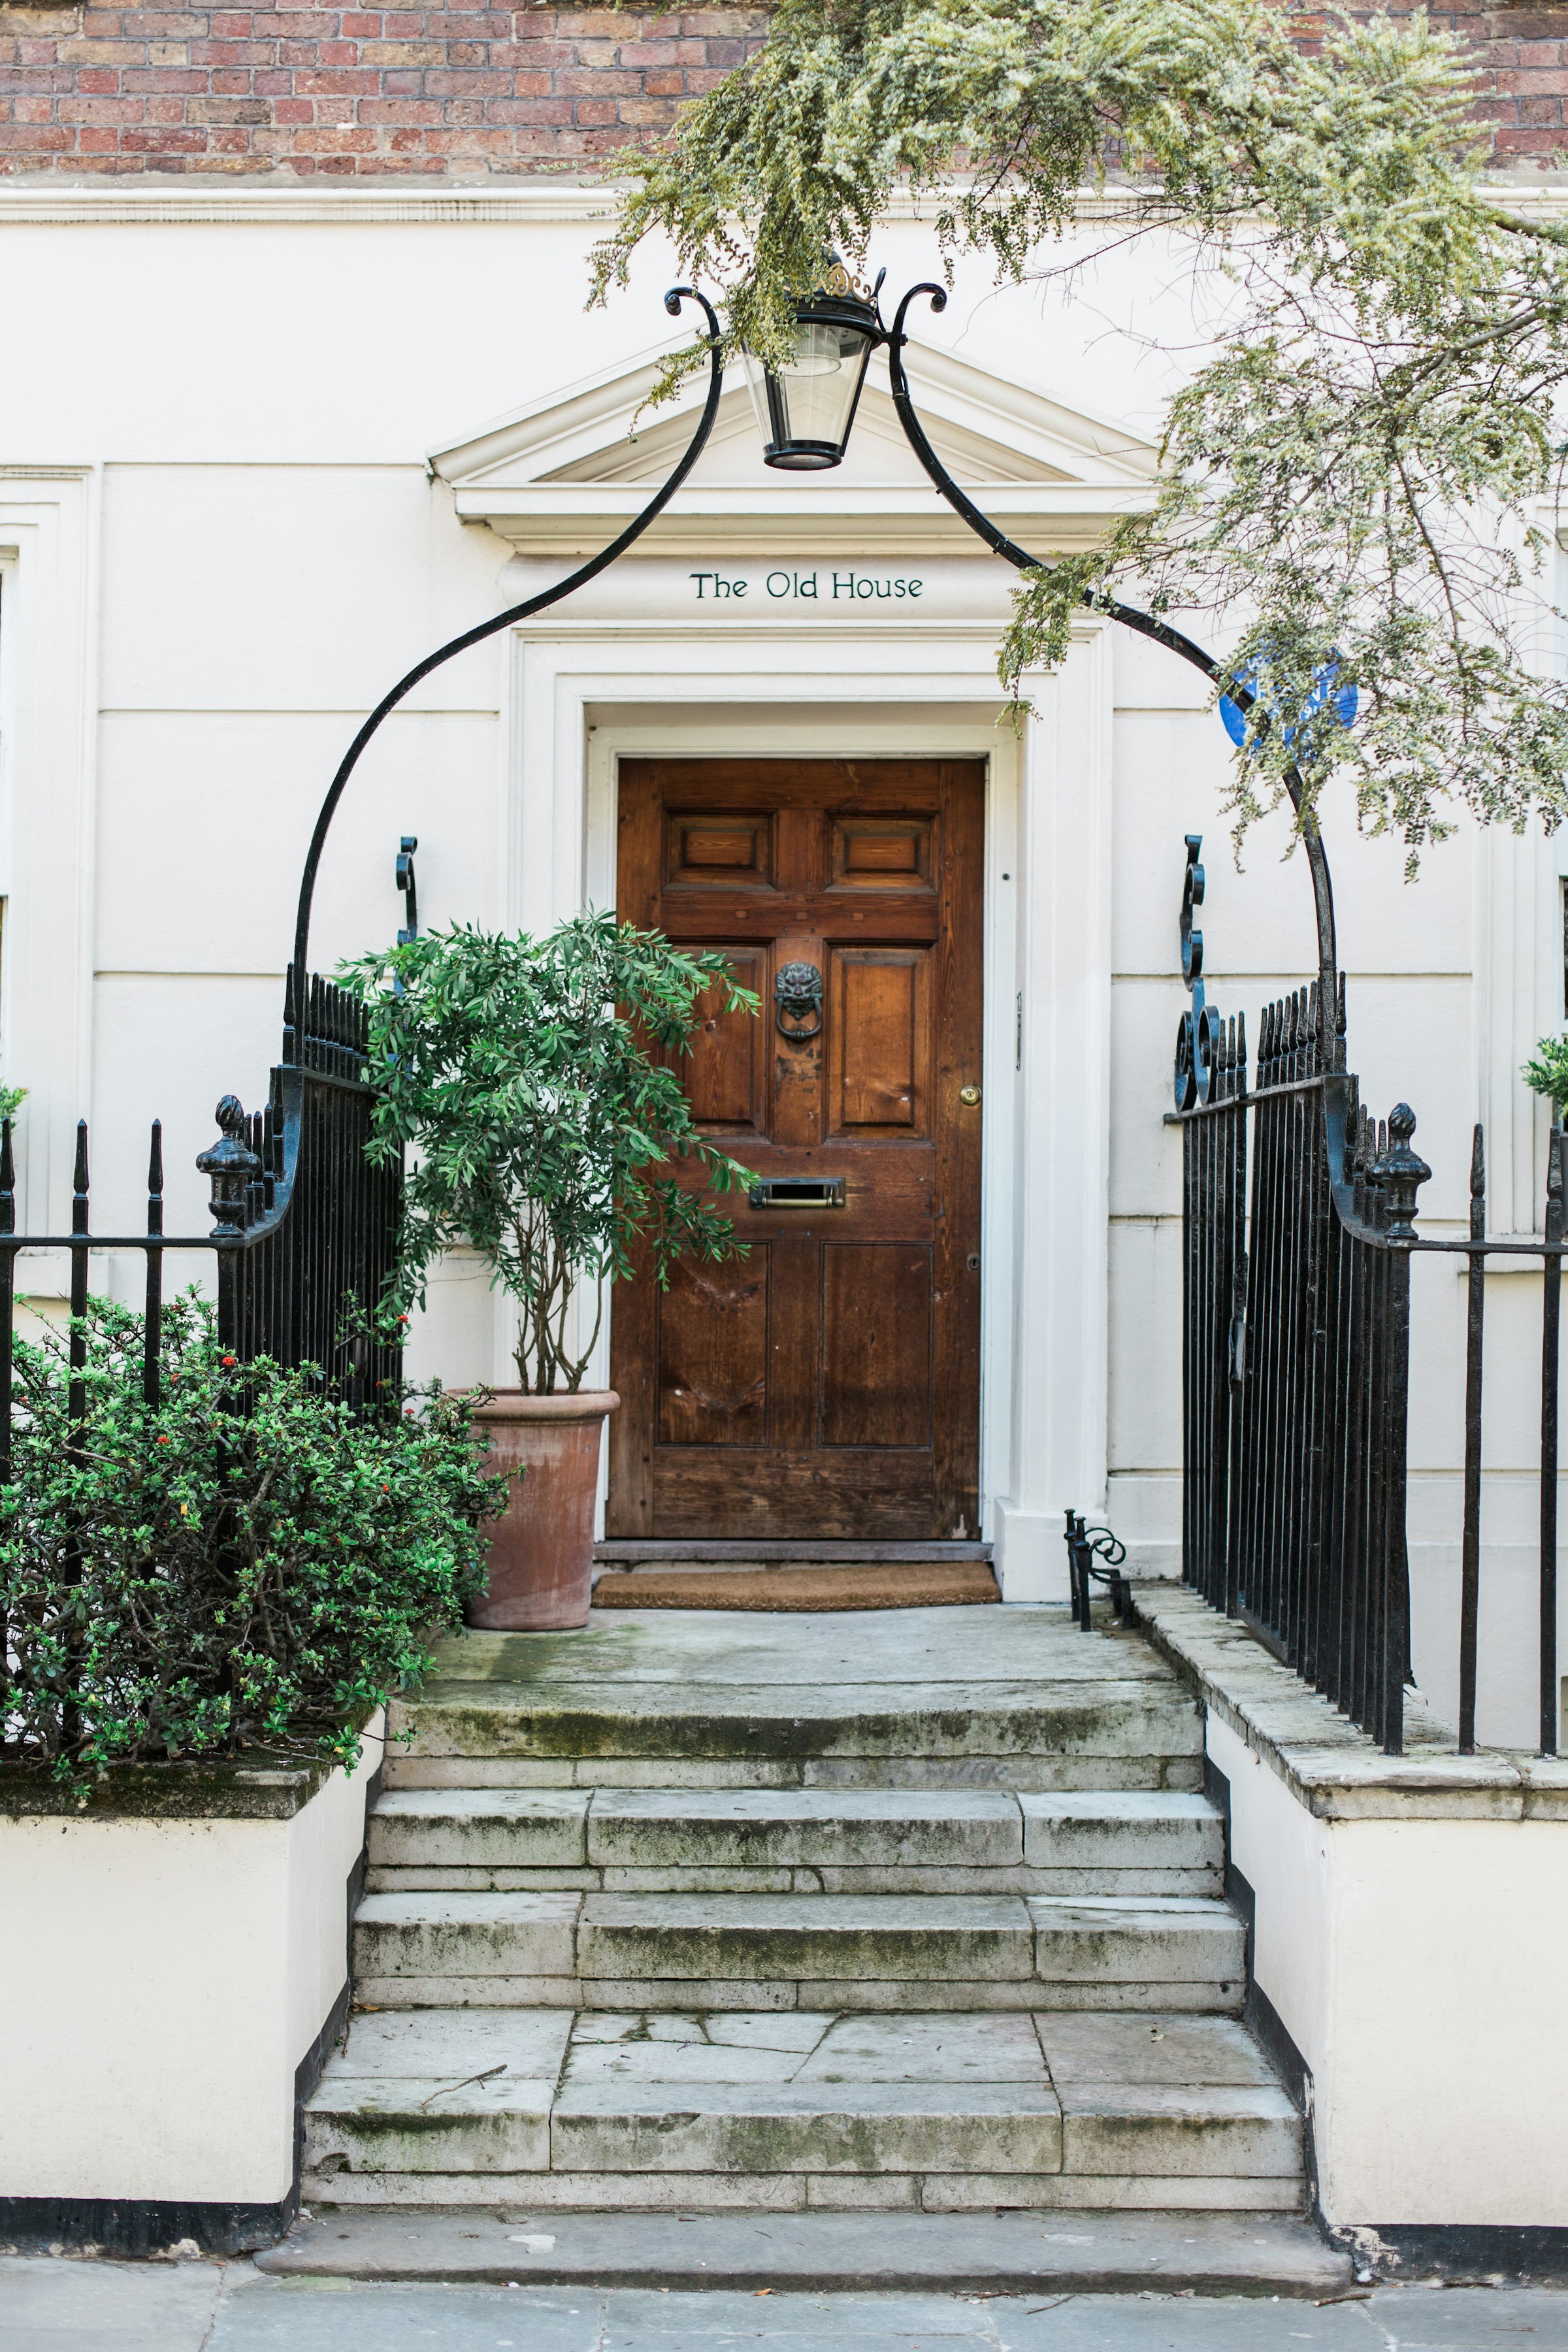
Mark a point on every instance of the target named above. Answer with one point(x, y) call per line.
point(252, 1565)
point(1547, 1073)
point(10, 1100)
point(538, 1081)
point(1353, 469)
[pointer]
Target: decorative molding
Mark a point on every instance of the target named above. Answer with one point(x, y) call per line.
point(188, 204)
point(565, 473)
point(194, 200)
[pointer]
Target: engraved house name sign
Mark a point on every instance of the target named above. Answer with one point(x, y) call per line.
point(819, 586)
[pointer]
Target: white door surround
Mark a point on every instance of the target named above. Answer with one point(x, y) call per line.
point(854, 614)
point(656, 670)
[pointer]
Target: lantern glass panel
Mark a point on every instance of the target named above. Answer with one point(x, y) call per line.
point(805, 410)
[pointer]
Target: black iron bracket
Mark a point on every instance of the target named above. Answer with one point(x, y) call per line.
point(1130, 616)
point(409, 887)
point(514, 612)
point(1085, 1546)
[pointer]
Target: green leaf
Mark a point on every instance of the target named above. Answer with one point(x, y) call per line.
point(537, 1081)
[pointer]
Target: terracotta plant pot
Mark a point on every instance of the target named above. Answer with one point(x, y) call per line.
point(542, 1552)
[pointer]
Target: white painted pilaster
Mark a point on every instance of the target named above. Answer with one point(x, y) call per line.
point(1061, 1170)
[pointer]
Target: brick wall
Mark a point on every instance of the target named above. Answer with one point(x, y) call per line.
point(350, 92)
point(467, 92)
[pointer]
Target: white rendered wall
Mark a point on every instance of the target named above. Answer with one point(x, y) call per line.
point(236, 547)
point(1411, 1962)
point(172, 1976)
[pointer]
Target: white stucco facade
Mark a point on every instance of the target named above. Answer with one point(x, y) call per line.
point(273, 446)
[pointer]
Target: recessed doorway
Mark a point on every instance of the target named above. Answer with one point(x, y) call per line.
point(826, 1386)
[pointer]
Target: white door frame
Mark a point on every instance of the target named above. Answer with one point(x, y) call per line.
point(585, 694)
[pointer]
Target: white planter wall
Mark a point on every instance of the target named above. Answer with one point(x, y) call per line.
point(172, 1977)
point(1417, 1964)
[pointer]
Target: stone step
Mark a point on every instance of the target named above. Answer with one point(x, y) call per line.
point(780, 1951)
point(945, 2111)
point(1244, 2256)
point(779, 1840)
point(869, 1733)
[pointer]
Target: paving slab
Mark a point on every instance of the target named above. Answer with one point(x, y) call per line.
point(790, 1937)
point(1215, 2253)
point(1180, 2129)
point(1084, 2047)
point(1113, 1940)
point(766, 2030)
point(470, 1827)
point(971, 2046)
point(680, 2193)
point(450, 2043)
point(869, 1827)
point(1090, 1718)
point(48, 2305)
point(53, 2309)
point(761, 2128)
point(1107, 2192)
point(1123, 1828)
point(901, 1645)
point(690, 2065)
point(429, 2124)
point(477, 1934)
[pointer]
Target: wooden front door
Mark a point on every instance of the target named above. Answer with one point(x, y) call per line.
point(827, 1385)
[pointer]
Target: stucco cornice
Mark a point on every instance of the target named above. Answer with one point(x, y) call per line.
point(196, 202)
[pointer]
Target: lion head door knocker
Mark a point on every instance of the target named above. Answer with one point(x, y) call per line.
point(797, 993)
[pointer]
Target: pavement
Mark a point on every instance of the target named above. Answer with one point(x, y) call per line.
point(79, 2305)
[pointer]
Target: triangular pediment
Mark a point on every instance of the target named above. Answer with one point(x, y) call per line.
point(570, 469)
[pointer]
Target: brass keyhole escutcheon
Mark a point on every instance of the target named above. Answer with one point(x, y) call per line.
point(969, 1097)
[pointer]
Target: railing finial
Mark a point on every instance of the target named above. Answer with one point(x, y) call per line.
point(1402, 1172)
point(232, 1166)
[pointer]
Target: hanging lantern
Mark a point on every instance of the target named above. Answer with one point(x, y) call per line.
point(804, 409)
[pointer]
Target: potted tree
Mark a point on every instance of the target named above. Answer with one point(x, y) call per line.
point(537, 1081)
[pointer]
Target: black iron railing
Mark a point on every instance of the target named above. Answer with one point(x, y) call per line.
point(1298, 1233)
point(304, 1232)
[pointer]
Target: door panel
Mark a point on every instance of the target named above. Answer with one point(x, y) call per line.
point(725, 1076)
point(876, 1344)
point(879, 852)
point(827, 1385)
point(879, 1058)
point(713, 1353)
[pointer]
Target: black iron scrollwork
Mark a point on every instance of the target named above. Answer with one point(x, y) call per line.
point(409, 887)
point(1197, 1030)
point(797, 992)
point(1086, 1544)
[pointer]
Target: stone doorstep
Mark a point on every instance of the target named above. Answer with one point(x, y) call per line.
point(689, 2193)
point(864, 2127)
point(663, 1651)
point(774, 1721)
point(815, 2093)
point(454, 1879)
point(1018, 1773)
point(1099, 1830)
point(873, 1996)
point(872, 2128)
point(1249, 2253)
point(1102, 1941)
